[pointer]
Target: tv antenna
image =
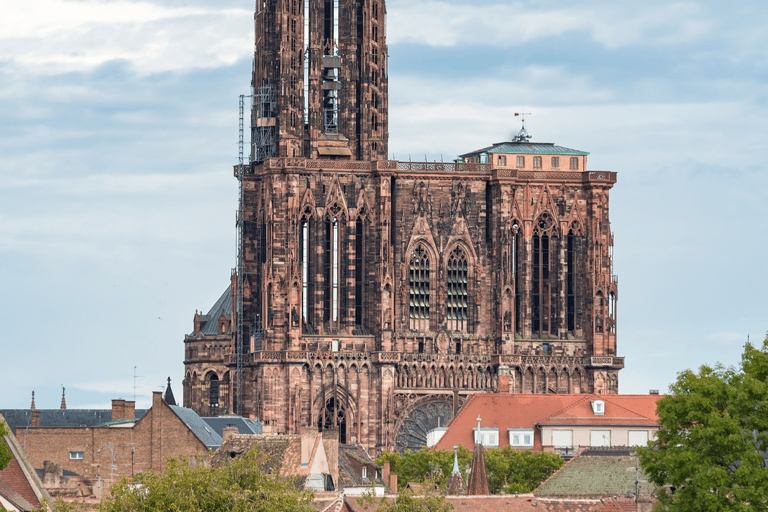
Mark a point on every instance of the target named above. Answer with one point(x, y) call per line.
point(134, 382)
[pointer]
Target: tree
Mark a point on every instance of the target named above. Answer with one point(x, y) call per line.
point(5, 452)
point(407, 501)
point(237, 486)
point(509, 470)
point(434, 466)
point(710, 452)
point(522, 471)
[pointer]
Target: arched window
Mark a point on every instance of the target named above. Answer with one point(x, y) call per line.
point(213, 390)
point(599, 311)
point(418, 289)
point(544, 282)
point(305, 255)
point(457, 291)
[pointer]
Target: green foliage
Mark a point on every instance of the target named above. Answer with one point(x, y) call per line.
point(509, 470)
point(714, 431)
point(237, 486)
point(5, 452)
point(522, 471)
point(425, 465)
point(59, 505)
point(407, 501)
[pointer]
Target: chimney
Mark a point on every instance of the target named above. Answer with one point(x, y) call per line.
point(118, 409)
point(196, 326)
point(130, 410)
point(157, 399)
point(385, 472)
point(33, 401)
point(228, 432)
point(35, 421)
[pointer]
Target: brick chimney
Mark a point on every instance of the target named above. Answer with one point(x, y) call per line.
point(228, 432)
point(118, 409)
point(130, 410)
point(35, 420)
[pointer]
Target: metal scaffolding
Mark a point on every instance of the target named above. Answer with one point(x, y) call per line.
point(264, 138)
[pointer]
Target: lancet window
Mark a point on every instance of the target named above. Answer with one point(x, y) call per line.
point(516, 241)
point(305, 256)
point(544, 290)
point(419, 289)
point(457, 291)
point(332, 272)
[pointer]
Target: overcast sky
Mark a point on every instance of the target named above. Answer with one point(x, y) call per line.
point(119, 128)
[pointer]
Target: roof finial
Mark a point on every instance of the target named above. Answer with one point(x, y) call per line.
point(63, 398)
point(455, 461)
point(33, 400)
point(522, 135)
point(168, 397)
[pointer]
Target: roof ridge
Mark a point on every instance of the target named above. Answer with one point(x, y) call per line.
point(572, 404)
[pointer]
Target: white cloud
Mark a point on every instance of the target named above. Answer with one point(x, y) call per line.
point(59, 35)
point(613, 25)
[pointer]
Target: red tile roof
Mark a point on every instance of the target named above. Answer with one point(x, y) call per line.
point(503, 411)
point(509, 503)
point(14, 484)
point(619, 410)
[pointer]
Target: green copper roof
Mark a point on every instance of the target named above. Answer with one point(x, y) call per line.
point(527, 148)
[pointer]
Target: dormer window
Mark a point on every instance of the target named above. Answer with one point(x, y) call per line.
point(487, 436)
point(598, 407)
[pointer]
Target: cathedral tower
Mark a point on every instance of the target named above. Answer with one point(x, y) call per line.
point(374, 297)
point(319, 81)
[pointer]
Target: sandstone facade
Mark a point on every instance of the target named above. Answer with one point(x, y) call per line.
point(375, 296)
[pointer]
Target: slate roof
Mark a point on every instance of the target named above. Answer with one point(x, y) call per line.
point(208, 322)
point(244, 425)
point(597, 475)
point(527, 148)
point(61, 417)
point(200, 428)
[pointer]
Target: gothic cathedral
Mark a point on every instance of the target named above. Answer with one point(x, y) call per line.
point(372, 296)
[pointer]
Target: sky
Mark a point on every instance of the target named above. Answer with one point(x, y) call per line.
point(119, 131)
